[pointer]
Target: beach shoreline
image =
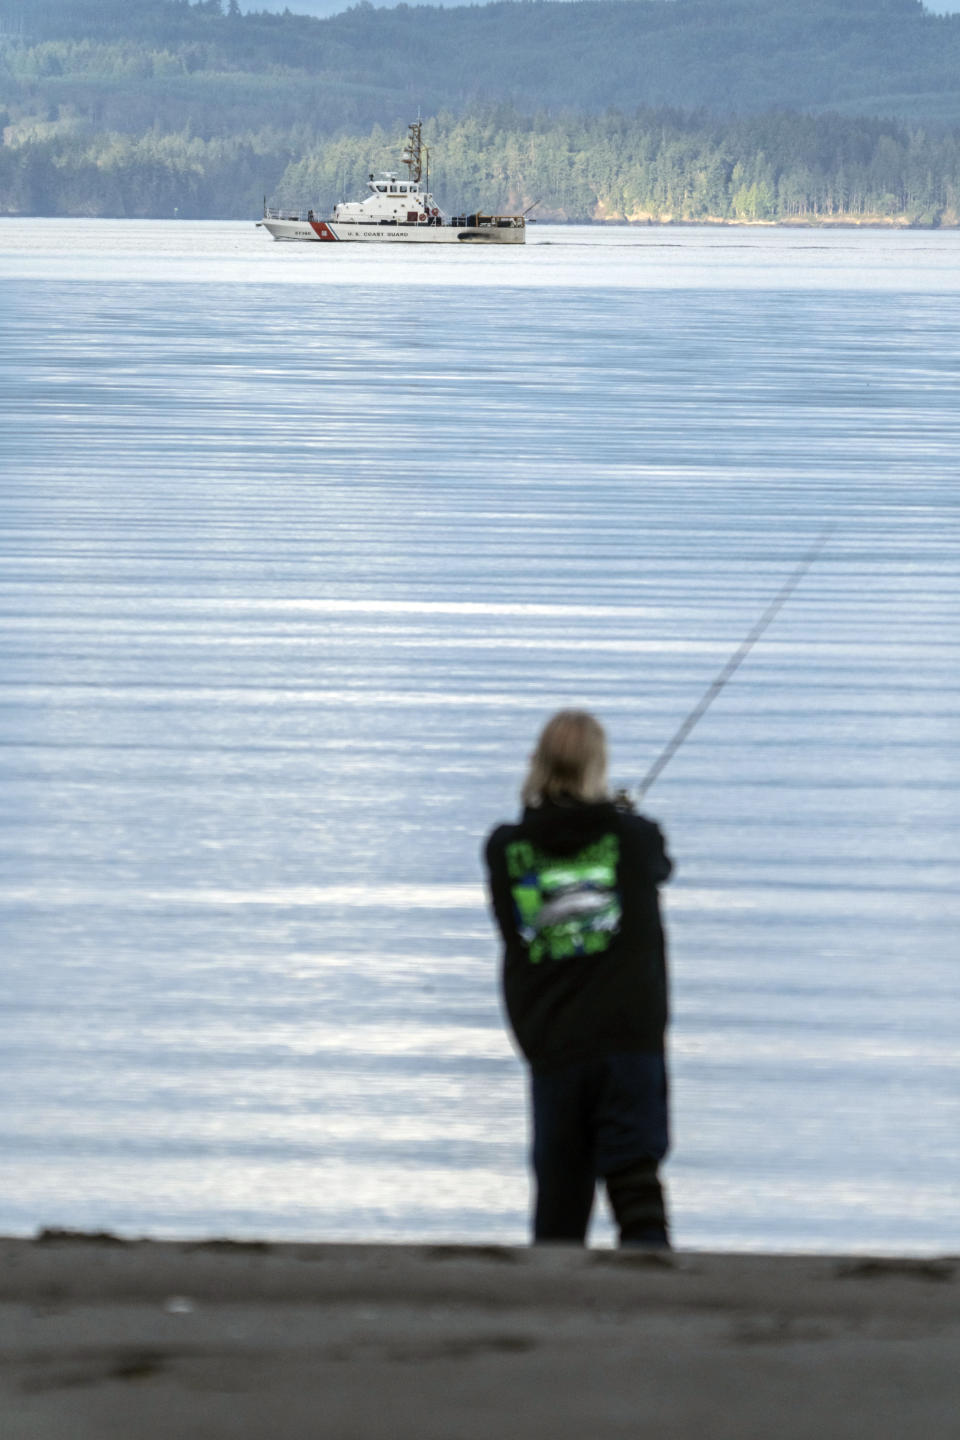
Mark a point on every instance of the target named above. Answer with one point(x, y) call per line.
point(103, 1338)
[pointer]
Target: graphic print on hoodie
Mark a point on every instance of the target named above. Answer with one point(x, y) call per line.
point(565, 905)
point(574, 889)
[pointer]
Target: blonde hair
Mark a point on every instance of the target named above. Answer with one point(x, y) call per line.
point(570, 759)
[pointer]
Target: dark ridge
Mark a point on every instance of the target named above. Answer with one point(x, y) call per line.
point(54, 1236)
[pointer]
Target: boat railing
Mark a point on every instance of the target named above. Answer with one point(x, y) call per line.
point(475, 221)
point(271, 212)
point(499, 222)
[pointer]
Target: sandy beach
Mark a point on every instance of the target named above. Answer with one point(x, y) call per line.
point(104, 1338)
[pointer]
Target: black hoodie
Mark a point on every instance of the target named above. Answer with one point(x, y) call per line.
point(574, 890)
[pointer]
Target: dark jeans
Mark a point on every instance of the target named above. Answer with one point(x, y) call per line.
point(601, 1119)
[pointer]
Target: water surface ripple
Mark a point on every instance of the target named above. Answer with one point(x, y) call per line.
point(297, 553)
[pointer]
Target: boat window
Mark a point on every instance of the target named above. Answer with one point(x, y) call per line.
point(393, 189)
point(381, 187)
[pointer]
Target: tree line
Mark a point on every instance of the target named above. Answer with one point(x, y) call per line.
point(651, 165)
point(132, 65)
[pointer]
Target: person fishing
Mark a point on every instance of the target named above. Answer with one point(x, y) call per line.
point(574, 890)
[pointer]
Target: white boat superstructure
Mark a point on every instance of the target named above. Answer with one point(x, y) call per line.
point(397, 211)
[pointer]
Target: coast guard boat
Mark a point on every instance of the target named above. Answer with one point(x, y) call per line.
point(397, 211)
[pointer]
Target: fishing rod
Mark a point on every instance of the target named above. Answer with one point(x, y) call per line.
point(732, 665)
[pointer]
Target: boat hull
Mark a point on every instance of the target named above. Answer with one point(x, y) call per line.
point(352, 232)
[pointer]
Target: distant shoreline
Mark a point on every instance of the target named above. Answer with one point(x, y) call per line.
point(846, 223)
point(667, 223)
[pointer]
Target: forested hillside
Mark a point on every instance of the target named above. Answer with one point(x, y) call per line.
point(129, 65)
point(664, 165)
point(654, 165)
point(599, 108)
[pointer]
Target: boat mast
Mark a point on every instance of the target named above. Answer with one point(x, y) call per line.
point(416, 156)
point(412, 153)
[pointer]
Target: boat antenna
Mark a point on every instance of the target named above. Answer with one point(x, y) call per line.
point(413, 151)
point(533, 206)
point(732, 665)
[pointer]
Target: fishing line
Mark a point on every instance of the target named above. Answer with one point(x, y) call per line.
point(732, 665)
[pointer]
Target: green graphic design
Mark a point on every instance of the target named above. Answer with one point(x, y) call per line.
point(565, 905)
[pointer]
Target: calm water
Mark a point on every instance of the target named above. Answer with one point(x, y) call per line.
point(299, 547)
